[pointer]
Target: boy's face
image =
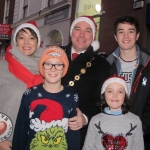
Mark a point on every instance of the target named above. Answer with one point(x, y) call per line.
point(126, 36)
point(54, 74)
point(115, 95)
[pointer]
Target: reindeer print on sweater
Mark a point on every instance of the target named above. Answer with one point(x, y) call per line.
point(110, 132)
point(114, 142)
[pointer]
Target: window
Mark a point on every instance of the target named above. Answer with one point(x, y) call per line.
point(3, 49)
point(25, 8)
point(59, 1)
point(51, 2)
point(7, 11)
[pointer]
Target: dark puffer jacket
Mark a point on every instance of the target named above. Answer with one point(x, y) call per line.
point(140, 92)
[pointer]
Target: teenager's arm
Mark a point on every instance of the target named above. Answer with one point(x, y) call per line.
point(73, 137)
point(21, 127)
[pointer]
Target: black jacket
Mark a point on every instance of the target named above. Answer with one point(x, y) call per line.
point(140, 91)
point(89, 85)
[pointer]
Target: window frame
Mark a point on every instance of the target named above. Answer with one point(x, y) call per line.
point(25, 8)
point(7, 7)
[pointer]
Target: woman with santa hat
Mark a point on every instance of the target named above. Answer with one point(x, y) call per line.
point(18, 72)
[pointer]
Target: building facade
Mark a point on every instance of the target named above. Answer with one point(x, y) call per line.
point(6, 18)
point(51, 16)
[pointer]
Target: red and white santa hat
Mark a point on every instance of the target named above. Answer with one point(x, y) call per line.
point(52, 116)
point(95, 44)
point(114, 79)
point(32, 25)
point(87, 19)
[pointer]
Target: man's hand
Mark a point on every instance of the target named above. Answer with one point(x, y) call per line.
point(6, 145)
point(77, 122)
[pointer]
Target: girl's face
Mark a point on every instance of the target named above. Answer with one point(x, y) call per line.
point(115, 95)
point(53, 70)
point(26, 43)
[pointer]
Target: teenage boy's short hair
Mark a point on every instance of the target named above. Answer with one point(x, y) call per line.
point(126, 19)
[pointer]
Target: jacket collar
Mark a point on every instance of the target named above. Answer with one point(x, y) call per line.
point(89, 51)
point(142, 55)
point(116, 53)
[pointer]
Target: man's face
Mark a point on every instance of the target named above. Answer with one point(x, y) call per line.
point(126, 36)
point(82, 36)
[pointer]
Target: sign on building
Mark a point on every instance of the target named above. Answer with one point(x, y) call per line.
point(5, 31)
point(57, 16)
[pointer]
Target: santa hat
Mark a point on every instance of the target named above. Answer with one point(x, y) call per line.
point(87, 19)
point(32, 25)
point(52, 116)
point(54, 52)
point(114, 79)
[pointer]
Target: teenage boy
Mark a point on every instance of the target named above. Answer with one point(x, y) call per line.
point(133, 63)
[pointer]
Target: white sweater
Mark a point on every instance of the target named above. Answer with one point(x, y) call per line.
point(106, 132)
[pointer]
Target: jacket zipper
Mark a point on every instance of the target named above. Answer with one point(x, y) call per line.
point(137, 80)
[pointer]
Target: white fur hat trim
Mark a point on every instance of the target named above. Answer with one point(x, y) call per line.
point(28, 25)
point(86, 19)
point(112, 80)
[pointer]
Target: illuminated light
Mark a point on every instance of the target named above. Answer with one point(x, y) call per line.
point(98, 7)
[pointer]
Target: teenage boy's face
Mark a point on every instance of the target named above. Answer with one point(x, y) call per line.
point(126, 36)
point(82, 36)
point(115, 95)
point(53, 76)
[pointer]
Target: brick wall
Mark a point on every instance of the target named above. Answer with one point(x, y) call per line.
point(114, 9)
point(2, 4)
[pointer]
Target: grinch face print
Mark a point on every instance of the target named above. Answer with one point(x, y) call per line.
point(49, 125)
point(117, 142)
point(53, 138)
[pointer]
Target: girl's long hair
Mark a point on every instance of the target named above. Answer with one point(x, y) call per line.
point(125, 106)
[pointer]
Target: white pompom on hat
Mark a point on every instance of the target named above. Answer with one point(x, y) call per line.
point(87, 19)
point(32, 25)
point(114, 79)
point(96, 45)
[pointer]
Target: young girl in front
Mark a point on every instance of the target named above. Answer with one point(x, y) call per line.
point(42, 122)
point(115, 128)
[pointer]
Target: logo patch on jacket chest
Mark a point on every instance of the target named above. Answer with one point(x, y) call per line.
point(144, 81)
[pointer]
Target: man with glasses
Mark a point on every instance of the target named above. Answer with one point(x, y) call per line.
point(87, 71)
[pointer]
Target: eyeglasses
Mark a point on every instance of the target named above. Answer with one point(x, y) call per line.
point(49, 66)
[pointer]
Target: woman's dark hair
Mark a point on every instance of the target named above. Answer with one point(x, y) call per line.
point(126, 19)
point(31, 31)
point(125, 106)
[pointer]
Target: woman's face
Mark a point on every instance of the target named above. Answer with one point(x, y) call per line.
point(26, 42)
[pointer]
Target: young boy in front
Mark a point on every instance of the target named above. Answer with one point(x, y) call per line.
point(42, 122)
